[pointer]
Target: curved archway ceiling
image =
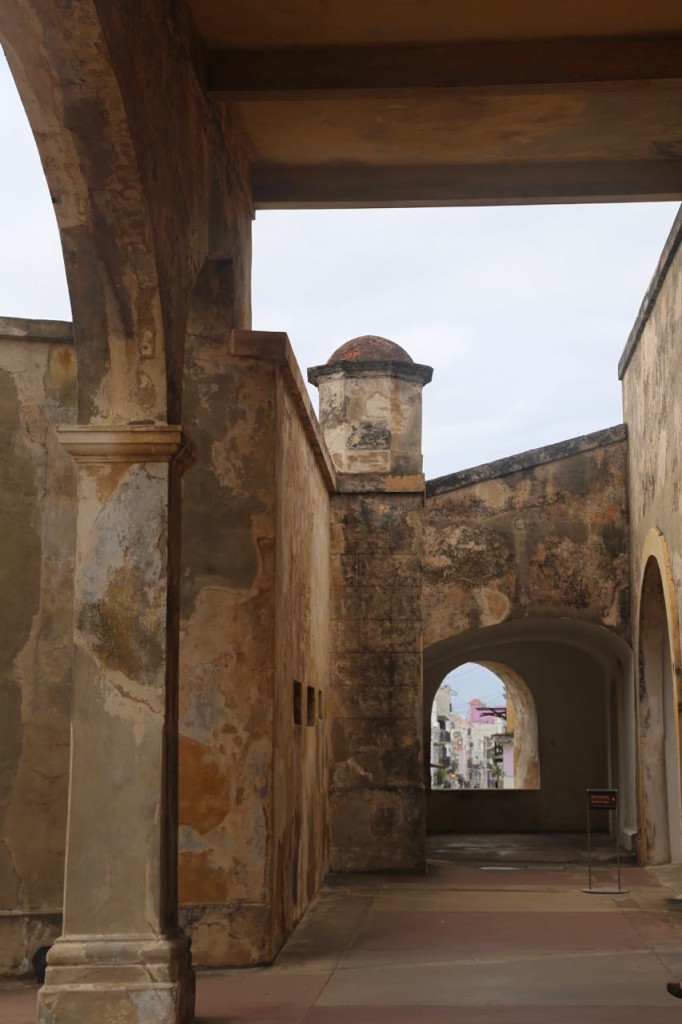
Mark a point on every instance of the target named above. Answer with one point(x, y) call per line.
point(421, 102)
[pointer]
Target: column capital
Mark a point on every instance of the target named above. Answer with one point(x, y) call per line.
point(134, 442)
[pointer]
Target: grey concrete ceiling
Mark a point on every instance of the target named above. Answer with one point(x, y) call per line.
point(426, 102)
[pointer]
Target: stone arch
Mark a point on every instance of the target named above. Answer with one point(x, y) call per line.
point(60, 60)
point(659, 699)
point(526, 750)
point(581, 679)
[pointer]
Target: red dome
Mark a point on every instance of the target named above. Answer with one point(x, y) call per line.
point(370, 348)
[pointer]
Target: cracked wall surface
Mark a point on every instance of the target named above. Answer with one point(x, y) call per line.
point(282, 577)
point(376, 778)
point(254, 608)
point(526, 564)
point(37, 515)
point(650, 368)
point(546, 540)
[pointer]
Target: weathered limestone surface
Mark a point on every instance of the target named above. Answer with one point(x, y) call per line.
point(650, 371)
point(120, 949)
point(377, 778)
point(526, 564)
point(651, 368)
point(371, 416)
point(376, 783)
point(37, 535)
point(300, 850)
point(227, 655)
point(255, 618)
point(149, 182)
point(547, 540)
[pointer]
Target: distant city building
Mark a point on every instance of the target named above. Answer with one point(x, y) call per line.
point(475, 751)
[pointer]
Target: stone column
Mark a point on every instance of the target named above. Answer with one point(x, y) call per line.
point(121, 957)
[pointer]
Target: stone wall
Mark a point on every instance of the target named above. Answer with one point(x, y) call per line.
point(255, 618)
point(255, 612)
point(651, 369)
point(526, 565)
point(376, 792)
point(543, 534)
point(37, 536)
point(300, 853)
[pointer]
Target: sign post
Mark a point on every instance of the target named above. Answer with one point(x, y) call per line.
point(602, 800)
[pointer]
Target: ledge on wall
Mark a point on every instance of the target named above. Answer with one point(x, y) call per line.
point(526, 460)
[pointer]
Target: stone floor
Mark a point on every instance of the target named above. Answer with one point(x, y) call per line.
point(498, 932)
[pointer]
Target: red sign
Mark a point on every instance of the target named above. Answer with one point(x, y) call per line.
point(602, 799)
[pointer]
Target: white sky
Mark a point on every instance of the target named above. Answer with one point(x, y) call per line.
point(469, 681)
point(522, 311)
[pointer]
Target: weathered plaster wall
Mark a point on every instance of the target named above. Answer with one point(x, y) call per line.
point(376, 794)
point(371, 415)
point(537, 539)
point(37, 538)
point(544, 534)
point(651, 369)
point(227, 654)
point(300, 778)
point(254, 619)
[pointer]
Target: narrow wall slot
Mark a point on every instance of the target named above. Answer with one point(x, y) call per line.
point(298, 703)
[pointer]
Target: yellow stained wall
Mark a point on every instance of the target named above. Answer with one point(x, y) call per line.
point(255, 618)
point(300, 827)
point(37, 538)
point(651, 370)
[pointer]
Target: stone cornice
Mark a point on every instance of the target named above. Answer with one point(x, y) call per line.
point(378, 483)
point(138, 442)
point(649, 301)
point(416, 372)
point(526, 460)
point(20, 329)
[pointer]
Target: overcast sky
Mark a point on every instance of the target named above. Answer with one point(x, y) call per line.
point(522, 311)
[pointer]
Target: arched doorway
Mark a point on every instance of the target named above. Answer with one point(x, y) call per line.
point(659, 739)
point(581, 683)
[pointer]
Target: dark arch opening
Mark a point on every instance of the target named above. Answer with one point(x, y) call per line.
point(660, 763)
point(580, 677)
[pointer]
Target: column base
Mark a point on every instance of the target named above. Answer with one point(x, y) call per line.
point(118, 979)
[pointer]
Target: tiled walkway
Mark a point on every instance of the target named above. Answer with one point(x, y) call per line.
point(486, 941)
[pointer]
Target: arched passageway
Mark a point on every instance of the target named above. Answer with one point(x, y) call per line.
point(659, 730)
point(579, 678)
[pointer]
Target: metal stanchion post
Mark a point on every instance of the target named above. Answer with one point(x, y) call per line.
point(603, 800)
point(589, 850)
point(618, 844)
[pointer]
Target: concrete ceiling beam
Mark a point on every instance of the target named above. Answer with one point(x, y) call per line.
point(337, 185)
point(248, 74)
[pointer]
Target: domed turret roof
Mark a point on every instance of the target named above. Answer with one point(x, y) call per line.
point(370, 348)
